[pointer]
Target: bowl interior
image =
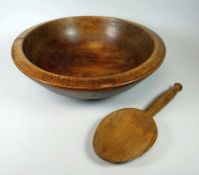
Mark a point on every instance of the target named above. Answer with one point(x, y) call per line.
point(88, 46)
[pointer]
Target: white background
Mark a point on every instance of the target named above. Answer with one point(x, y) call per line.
point(42, 133)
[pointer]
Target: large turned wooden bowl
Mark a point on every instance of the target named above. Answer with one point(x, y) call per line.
point(88, 57)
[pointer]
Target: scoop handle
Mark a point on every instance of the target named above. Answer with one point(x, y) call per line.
point(163, 99)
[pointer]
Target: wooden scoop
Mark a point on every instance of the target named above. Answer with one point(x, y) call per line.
point(128, 133)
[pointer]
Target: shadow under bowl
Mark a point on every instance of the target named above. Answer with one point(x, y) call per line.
point(88, 57)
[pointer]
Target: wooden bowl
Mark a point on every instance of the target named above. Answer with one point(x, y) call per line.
point(88, 57)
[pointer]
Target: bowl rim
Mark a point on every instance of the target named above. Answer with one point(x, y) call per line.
point(89, 83)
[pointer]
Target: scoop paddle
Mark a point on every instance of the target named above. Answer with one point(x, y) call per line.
point(128, 133)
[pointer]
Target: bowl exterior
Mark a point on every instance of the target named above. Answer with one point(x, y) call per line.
point(88, 94)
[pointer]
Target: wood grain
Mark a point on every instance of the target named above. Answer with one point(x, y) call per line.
point(88, 48)
point(128, 133)
point(124, 135)
point(164, 98)
point(92, 57)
